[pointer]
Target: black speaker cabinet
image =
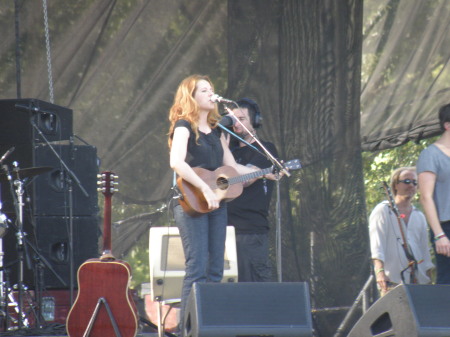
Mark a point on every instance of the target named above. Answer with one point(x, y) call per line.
point(51, 189)
point(408, 310)
point(47, 193)
point(18, 116)
point(53, 243)
point(49, 236)
point(248, 309)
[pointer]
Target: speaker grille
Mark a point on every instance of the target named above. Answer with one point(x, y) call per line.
point(248, 310)
point(431, 313)
point(256, 304)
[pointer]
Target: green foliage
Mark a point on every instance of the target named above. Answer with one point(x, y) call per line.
point(378, 167)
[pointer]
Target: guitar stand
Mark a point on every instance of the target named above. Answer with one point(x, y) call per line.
point(94, 316)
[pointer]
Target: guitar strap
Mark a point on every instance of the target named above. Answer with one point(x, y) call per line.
point(412, 262)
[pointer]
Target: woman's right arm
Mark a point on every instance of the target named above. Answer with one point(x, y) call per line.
point(427, 180)
point(178, 152)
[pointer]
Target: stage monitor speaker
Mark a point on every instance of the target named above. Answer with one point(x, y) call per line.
point(54, 121)
point(265, 309)
point(167, 267)
point(408, 311)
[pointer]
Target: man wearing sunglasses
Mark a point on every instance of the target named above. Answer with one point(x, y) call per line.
point(393, 222)
point(433, 168)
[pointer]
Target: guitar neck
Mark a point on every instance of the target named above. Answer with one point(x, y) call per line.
point(107, 183)
point(107, 226)
point(249, 176)
point(391, 200)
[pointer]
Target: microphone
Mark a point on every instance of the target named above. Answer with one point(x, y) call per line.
point(218, 99)
point(227, 121)
point(7, 153)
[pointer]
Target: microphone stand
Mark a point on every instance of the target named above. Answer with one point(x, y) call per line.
point(71, 176)
point(275, 162)
point(279, 168)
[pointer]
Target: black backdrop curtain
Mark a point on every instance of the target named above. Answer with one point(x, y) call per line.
point(118, 63)
point(301, 61)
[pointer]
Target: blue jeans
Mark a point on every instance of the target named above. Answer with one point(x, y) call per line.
point(203, 239)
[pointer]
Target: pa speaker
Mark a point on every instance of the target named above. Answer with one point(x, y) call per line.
point(51, 189)
point(50, 237)
point(18, 116)
point(53, 243)
point(408, 310)
point(266, 309)
point(47, 192)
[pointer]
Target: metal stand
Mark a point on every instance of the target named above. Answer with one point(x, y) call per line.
point(101, 301)
point(362, 297)
point(278, 234)
point(23, 244)
point(3, 298)
point(161, 318)
point(20, 247)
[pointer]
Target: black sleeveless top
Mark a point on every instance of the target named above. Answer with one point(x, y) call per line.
point(207, 152)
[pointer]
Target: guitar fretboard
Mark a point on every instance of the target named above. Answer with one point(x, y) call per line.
point(249, 176)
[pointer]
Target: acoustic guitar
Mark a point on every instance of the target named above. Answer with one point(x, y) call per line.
point(225, 182)
point(104, 305)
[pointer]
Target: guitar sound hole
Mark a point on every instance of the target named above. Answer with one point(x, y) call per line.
point(222, 183)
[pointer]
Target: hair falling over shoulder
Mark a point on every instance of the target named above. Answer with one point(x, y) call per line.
point(185, 107)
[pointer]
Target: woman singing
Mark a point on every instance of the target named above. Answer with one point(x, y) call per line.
point(196, 141)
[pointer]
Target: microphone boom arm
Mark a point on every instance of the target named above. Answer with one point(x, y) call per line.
point(269, 156)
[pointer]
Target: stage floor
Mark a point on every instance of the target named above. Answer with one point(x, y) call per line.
point(36, 333)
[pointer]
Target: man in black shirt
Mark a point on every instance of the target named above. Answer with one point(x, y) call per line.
point(249, 212)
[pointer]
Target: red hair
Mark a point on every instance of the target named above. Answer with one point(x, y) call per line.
point(185, 106)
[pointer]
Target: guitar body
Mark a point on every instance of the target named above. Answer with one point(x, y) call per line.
point(225, 182)
point(109, 280)
point(193, 201)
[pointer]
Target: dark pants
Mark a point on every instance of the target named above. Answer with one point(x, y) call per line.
point(253, 258)
point(442, 262)
point(203, 239)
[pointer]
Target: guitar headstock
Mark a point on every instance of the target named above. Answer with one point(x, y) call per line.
point(390, 197)
point(388, 191)
point(293, 164)
point(107, 183)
